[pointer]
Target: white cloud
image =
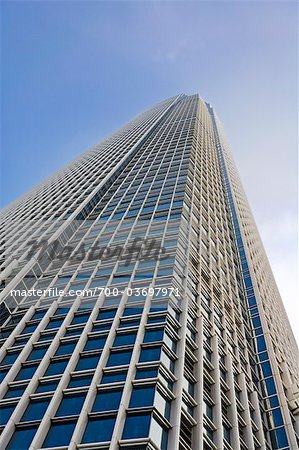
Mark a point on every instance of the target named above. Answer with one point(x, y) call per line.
point(280, 238)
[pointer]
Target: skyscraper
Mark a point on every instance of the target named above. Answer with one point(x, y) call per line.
point(138, 307)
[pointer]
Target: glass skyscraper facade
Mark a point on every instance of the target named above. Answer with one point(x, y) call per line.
point(138, 307)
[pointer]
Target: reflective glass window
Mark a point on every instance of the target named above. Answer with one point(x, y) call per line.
point(107, 400)
point(71, 405)
point(59, 434)
point(22, 438)
point(136, 426)
point(99, 430)
point(142, 396)
point(87, 362)
point(35, 410)
point(119, 358)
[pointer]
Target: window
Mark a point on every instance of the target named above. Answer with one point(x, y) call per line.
point(22, 438)
point(37, 353)
point(155, 319)
point(80, 319)
point(129, 323)
point(54, 323)
point(226, 433)
point(99, 430)
point(142, 396)
point(130, 311)
point(150, 354)
point(38, 315)
point(56, 367)
point(59, 434)
point(70, 405)
point(80, 381)
point(6, 412)
point(48, 386)
point(124, 339)
point(35, 410)
point(107, 400)
point(46, 336)
point(66, 348)
point(15, 391)
point(106, 314)
point(119, 358)
point(26, 372)
point(136, 426)
point(87, 362)
point(113, 377)
point(146, 373)
point(95, 343)
point(153, 335)
point(29, 328)
point(10, 357)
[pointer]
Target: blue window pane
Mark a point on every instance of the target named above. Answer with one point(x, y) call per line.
point(101, 326)
point(70, 405)
point(6, 412)
point(154, 335)
point(26, 372)
point(46, 336)
point(99, 430)
point(61, 311)
point(80, 381)
point(114, 377)
point(29, 328)
point(266, 369)
point(38, 315)
point(158, 307)
point(54, 323)
point(142, 397)
point(277, 417)
point(87, 362)
point(65, 348)
point(21, 340)
point(15, 391)
point(137, 426)
point(132, 311)
point(130, 323)
point(274, 401)
point(3, 373)
point(124, 339)
point(59, 434)
point(155, 319)
point(80, 319)
point(119, 358)
point(47, 387)
point(261, 344)
point(107, 400)
point(270, 386)
point(97, 343)
point(10, 358)
point(56, 367)
point(106, 314)
point(35, 410)
point(146, 373)
point(22, 438)
point(281, 436)
point(73, 331)
point(150, 354)
point(256, 322)
point(37, 353)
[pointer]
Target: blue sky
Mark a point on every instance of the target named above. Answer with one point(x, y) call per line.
point(75, 71)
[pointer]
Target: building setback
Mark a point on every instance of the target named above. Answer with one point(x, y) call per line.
point(138, 307)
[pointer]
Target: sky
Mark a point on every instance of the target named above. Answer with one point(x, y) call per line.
point(74, 71)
